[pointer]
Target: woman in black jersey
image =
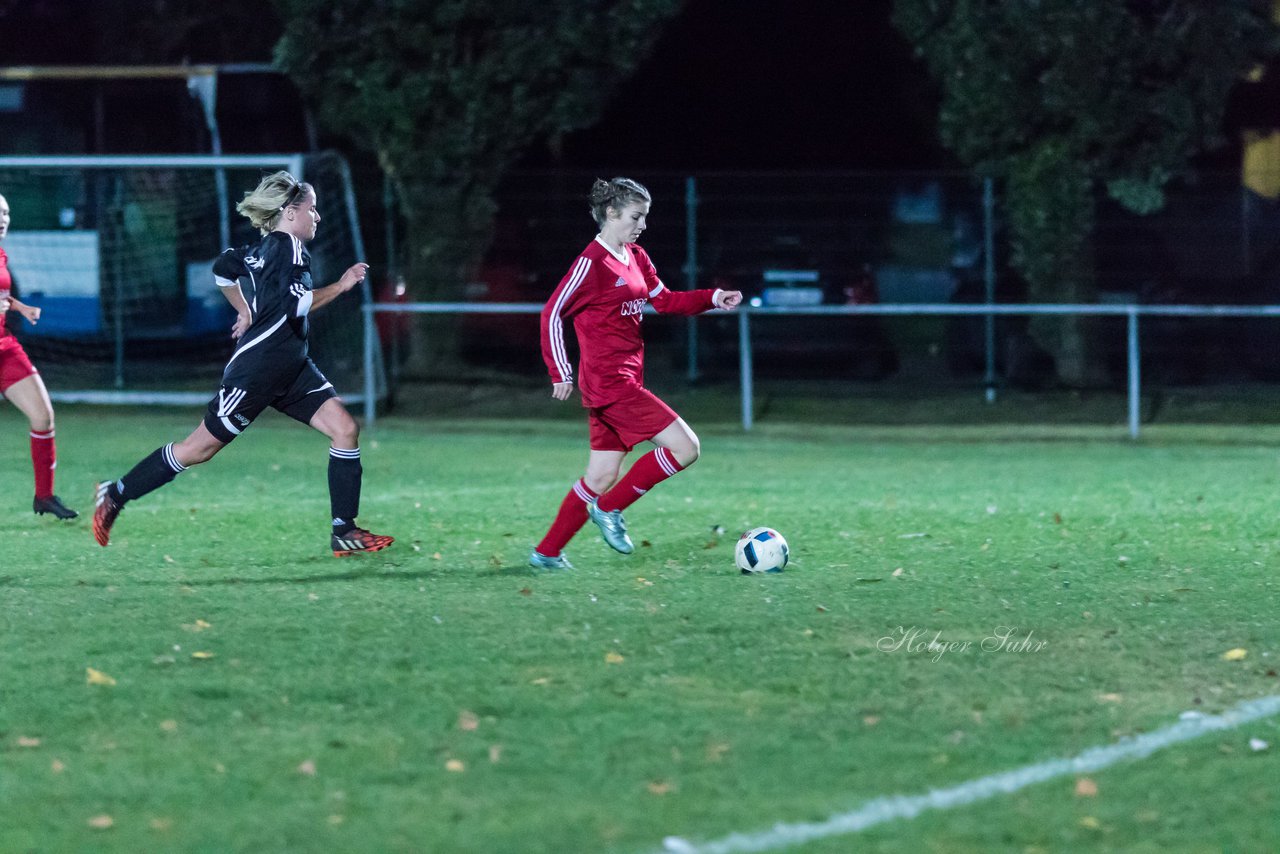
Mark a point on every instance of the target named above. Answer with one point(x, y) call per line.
point(269, 284)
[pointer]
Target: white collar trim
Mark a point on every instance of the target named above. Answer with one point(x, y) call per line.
point(624, 256)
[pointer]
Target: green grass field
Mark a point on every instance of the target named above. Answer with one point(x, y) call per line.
point(442, 697)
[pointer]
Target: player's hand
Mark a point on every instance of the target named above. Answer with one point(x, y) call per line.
point(561, 391)
point(729, 300)
point(30, 312)
point(355, 275)
point(240, 327)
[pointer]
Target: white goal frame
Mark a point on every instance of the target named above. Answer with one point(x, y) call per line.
point(293, 162)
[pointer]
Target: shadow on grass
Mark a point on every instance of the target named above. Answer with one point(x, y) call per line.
point(523, 569)
point(319, 578)
point(316, 578)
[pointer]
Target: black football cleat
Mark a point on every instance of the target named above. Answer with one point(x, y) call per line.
point(53, 504)
point(358, 540)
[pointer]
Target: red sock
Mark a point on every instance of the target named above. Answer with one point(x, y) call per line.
point(647, 472)
point(571, 517)
point(44, 459)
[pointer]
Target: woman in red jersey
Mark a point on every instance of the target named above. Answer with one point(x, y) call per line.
point(20, 383)
point(604, 295)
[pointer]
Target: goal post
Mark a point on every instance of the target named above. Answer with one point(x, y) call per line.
point(117, 253)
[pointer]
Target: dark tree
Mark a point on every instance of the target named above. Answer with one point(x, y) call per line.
point(450, 93)
point(1059, 98)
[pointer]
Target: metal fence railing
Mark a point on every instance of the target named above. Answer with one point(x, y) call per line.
point(921, 232)
point(1131, 312)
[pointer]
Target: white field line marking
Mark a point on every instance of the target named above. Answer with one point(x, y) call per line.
point(881, 810)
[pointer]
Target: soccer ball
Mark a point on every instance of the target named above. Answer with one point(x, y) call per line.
point(761, 550)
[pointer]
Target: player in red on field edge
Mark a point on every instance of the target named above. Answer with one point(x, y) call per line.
point(21, 384)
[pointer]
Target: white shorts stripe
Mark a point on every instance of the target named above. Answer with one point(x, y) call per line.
point(226, 422)
point(227, 403)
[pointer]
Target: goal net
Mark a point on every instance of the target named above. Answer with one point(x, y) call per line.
point(117, 251)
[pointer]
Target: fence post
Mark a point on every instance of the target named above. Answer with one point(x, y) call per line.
point(691, 266)
point(1246, 231)
point(989, 275)
point(372, 346)
point(1135, 367)
point(115, 214)
point(744, 365)
point(370, 381)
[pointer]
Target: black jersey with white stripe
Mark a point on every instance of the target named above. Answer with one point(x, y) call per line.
point(274, 276)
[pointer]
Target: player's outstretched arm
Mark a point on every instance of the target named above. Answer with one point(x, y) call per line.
point(727, 300)
point(667, 301)
point(30, 312)
point(353, 276)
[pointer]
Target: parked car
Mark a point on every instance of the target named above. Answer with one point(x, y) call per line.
point(786, 274)
point(506, 341)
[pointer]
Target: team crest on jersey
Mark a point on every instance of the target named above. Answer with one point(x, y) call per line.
point(253, 263)
point(621, 281)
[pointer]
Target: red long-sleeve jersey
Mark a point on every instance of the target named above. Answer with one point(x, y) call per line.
point(6, 286)
point(605, 299)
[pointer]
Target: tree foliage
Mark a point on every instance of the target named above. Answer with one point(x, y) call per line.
point(1061, 98)
point(450, 93)
point(135, 32)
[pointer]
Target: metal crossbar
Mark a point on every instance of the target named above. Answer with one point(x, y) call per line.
point(1130, 311)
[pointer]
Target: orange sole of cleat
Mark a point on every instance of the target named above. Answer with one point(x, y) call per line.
point(101, 534)
point(376, 547)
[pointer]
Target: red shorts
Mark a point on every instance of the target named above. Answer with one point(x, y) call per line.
point(623, 424)
point(14, 364)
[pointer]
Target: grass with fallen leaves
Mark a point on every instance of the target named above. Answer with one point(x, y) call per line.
point(216, 681)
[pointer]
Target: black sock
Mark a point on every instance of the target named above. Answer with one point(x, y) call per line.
point(344, 488)
point(152, 472)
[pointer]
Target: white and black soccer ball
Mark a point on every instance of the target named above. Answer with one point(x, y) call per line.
point(761, 550)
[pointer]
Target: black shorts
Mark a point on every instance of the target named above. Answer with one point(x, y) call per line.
point(233, 409)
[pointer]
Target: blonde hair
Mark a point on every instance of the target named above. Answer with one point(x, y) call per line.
point(264, 204)
point(617, 194)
